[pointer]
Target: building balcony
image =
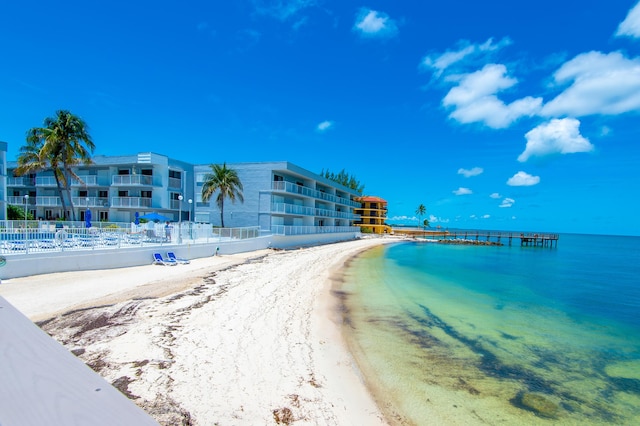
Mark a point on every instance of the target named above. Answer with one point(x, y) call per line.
point(175, 183)
point(90, 202)
point(48, 181)
point(336, 214)
point(48, 201)
point(292, 188)
point(19, 200)
point(132, 180)
point(20, 181)
point(130, 202)
point(284, 208)
point(305, 230)
point(87, 180)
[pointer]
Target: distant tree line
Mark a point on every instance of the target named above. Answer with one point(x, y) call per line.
point(345, 179)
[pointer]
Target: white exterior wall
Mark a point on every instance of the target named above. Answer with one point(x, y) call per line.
point(263, 204)
point(105, 168)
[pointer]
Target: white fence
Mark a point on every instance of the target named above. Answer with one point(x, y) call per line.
point(39, 237)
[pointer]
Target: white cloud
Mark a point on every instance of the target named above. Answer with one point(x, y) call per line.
point(507, 202)
point(463, 191)
point(495, 195)
point(486, 216)
point(324, 126)
point(441, 62)
point(371, 23)
point(471, 172)
point(435, 219)
point(599, 84)
point(523, 179)
point(474, 98)
point(558, 136)
point(631, 25)
point(282, 9)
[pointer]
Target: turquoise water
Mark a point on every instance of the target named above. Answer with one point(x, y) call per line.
point(471, 334)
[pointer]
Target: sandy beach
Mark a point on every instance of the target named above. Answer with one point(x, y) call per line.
point(252, 338)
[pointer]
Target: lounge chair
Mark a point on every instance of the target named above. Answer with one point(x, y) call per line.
point(173, 257)
point(158, 260)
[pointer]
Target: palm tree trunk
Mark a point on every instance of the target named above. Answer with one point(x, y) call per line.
point(67, 188)
point(61, 193)
point(222, 212)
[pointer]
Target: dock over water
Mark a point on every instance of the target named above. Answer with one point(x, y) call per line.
point(534, 239)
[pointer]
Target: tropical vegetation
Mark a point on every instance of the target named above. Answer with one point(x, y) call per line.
point(344, 179)
point(63, 142)
point(421, 211)
point(226, 182)
point(17, 213)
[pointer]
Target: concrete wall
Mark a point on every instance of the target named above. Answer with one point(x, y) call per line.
point(292, 241)
point(23, 265)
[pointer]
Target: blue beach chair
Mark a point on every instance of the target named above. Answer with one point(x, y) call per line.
point(173, 257)
point(158, 260)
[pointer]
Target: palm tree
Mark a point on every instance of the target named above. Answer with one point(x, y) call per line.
point(421, 211)
point(224, 180)
point(63, 142)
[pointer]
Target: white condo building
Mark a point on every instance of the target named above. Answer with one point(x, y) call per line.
point(279, 197)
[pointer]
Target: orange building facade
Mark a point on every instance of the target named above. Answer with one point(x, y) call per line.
point(373, 214)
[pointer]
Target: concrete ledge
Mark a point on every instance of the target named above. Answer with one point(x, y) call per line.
point(44, 384)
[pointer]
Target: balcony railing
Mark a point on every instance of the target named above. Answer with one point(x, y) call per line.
point(92, 202)
point(20, 181)
point(305, 230)
point(45, 201)
point(292, 209)
point(45, 181)
point(175, 183)
point(87, 180)
point(20, 200)
point(293, 188)
point(128, 180)
point(133, 202)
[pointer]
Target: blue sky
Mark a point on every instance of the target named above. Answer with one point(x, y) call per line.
point(492, 116)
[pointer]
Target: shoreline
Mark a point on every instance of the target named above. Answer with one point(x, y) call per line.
point(237, 339)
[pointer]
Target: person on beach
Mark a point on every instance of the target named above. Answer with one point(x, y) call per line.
point(167, 231)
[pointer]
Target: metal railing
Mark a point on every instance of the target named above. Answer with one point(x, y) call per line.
point(130, 202)
point(305, 230)
point(132, 180)
point(293, 188)
point(43, 236)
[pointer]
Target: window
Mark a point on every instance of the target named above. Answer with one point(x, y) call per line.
point(147, 172)
point(173, 174)
point(277, 178)
point(123, 171)
point(145, 194)
point(123, 193)
point(104, 216)
point(103, 194)
point(82, 193)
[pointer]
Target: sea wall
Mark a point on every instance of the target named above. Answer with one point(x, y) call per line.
point(22, 265)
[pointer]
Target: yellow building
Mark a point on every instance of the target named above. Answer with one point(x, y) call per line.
point(373, 214)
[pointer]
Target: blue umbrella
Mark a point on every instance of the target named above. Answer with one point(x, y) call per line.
point(87, 218)
point(137, 220)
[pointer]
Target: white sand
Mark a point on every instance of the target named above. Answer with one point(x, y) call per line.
point(242, 339)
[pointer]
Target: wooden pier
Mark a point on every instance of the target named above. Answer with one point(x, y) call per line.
point(497, 237)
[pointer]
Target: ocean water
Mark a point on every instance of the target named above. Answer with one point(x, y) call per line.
point(452, 334)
